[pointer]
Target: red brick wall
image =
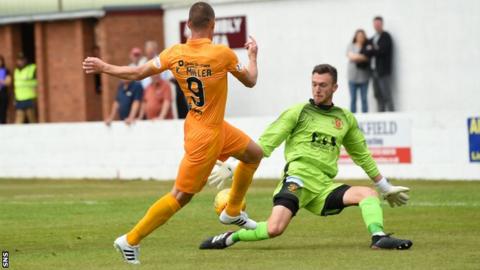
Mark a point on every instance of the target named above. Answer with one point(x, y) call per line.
point(41, 60)
point(118, 32)
point(65, 93)
point(62, 84)
point(10, 43)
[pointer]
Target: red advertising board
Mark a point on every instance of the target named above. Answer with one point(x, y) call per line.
point(231, 31)
point(384, 155)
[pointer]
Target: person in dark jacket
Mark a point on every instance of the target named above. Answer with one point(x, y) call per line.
point(381, 53)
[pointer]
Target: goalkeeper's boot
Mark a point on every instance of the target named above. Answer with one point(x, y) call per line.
point(241, 220)
point(129, 253)
point(220, 241)
point(388, 242)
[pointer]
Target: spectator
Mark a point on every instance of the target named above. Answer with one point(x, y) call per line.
point(382, 52)
point(179, 105)
point(157, 100)
point(136, 57)
point(5, 82)
point(127, 102)
point(25, 84)
point(358, 70)
point(151, 49)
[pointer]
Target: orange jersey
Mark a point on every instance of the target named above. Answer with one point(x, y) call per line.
point(201, 69)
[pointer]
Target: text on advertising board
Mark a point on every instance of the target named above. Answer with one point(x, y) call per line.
point(388, 140)
point(230, 31)
point(473, 124)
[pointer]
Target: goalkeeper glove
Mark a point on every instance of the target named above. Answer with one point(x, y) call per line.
point(221, 173)
point(394, 195)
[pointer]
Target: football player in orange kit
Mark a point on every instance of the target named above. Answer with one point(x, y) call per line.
point(201, 69)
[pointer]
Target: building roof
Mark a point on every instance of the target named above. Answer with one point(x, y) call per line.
point(9, 8)
point(19, 11)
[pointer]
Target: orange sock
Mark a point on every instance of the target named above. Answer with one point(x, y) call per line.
point(242, 179)
point(156, 215)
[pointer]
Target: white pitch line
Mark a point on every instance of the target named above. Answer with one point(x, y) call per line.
point(35, 196)
point(92, 202)
point(444, 204)
point(42, 196)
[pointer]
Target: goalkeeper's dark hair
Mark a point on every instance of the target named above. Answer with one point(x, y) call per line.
point(201, 15)
point(326, 68)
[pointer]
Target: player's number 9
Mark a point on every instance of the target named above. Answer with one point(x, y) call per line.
point(196, 87)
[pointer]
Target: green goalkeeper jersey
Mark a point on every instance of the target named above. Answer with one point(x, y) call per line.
point(313, 138)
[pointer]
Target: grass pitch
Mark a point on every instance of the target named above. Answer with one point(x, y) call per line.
point(58, 224)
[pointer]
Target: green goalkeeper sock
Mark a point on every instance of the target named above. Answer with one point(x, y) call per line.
point(260, 233)
point(372, 214)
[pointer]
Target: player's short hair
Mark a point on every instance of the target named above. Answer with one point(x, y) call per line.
point(200, 15)
point(326, 68)
point(378, 18)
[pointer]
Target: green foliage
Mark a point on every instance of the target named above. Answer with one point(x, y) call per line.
point(56, 224)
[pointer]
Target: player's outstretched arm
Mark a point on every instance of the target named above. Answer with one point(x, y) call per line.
point(355, 145)
point(249, 77)
point(93, 65)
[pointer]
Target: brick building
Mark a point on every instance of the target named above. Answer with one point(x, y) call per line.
point(58, 43)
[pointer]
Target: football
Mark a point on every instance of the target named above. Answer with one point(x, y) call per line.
point(221, 200)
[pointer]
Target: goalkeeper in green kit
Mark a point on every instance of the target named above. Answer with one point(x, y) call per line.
point(313, 133)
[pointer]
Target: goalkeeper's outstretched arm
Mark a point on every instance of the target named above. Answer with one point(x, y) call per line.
point(355, 145)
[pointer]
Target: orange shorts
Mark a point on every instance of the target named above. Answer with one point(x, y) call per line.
point(203, 146)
